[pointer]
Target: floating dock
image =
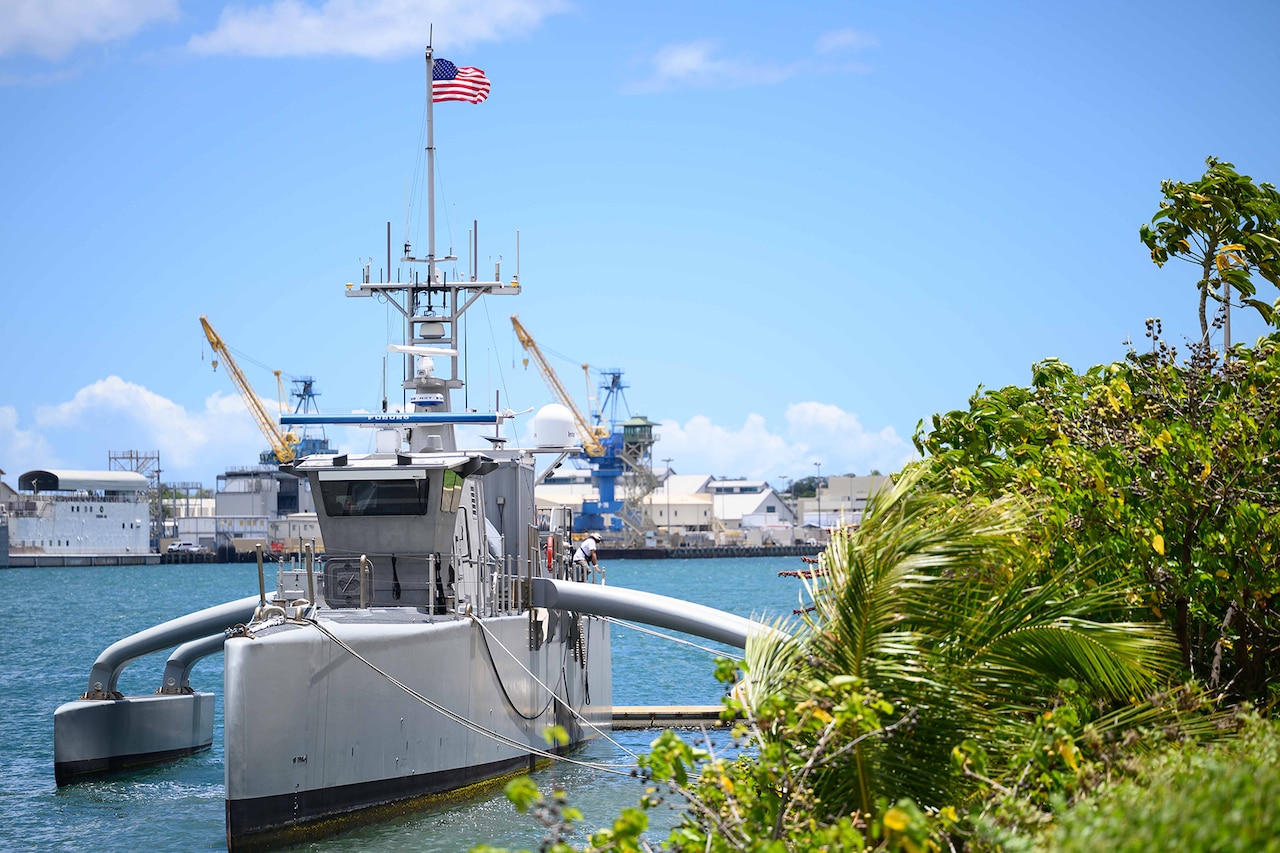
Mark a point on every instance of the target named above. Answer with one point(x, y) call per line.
point(667, 716)
point(606, 552)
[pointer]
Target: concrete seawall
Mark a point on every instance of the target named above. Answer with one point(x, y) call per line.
point(708, 551)
point(36, 561)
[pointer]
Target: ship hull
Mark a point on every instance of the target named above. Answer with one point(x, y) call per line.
point(317, 740)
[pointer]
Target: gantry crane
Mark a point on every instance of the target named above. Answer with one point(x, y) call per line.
point(613, 449)
point(282, 443)
point(591, 434)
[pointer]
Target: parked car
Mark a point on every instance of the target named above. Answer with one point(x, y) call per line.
point(183, 548)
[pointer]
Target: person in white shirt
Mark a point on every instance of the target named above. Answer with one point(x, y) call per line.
point(585, 557)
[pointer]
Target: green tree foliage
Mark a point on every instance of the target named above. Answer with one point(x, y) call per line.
point(980, 656)
point(1225, 224)
point(1221, 798)
point(806, 487)
point(935, 607)
point(937, 667)
point(1164, 475)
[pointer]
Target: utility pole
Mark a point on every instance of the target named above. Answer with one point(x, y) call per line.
point(667, 477)
point(817, 491)
point(791, 507)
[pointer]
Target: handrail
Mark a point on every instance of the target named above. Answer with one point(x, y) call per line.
point(177, 669)
point(649, 608)
point(106, 669)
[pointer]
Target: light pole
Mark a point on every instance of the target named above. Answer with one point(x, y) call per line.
point(817, 491)
point(790, 508)
point(159, 511)
point(667, 478)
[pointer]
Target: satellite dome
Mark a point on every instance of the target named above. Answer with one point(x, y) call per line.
point(553, 427)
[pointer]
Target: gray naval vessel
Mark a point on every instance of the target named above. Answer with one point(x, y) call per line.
point(444, 636)
point(424, 666)
point(427, 668)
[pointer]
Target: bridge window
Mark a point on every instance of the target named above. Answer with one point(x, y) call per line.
point(374, 497)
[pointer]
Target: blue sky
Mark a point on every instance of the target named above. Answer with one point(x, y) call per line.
point(797, 228)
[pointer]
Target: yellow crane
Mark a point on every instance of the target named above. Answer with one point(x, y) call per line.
point(282, 444)
point(590, 435)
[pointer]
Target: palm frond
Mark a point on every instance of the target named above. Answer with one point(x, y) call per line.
point(937, 606)
point(769, 658)
point(1115, 661)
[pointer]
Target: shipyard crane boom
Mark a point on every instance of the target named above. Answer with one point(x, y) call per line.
point(281, 443)
point(590, 434)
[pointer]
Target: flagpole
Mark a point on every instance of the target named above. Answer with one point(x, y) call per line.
point(431, 174)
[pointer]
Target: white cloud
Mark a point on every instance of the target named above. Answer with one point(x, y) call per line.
point(18, 446)
point(702, 64)
point(124, 415)
point(113, 415)
point(677, 61)
point(699, 65)
point(815, 432)
point(837, 438)
point(838, 40)
point(376, 29)
point(51, 29)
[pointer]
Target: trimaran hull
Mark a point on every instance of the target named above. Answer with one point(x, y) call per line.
point(317, 740)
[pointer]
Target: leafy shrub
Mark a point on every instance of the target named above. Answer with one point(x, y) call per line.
point(1217, 798)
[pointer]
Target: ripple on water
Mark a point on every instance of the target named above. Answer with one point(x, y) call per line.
point(179, 806)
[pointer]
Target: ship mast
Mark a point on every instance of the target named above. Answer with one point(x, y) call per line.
point(431, 171)
point(431, 327)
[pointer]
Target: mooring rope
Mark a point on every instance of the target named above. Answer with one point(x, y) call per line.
point(493, 664)
point(487, 633)
point(682, 642)
point(452, 715)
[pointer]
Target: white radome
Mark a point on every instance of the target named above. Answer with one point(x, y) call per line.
point(553, 427)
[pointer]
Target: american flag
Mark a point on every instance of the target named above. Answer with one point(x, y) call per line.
point(451, 83)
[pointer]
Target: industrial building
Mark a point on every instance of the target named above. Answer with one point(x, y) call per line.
point(841, 500)
point(65, 517)
point(689, 509)
point(249, 505)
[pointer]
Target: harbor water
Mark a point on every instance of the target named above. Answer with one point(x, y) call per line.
point(62, 618)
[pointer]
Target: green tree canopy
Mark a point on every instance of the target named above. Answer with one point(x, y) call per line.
point(1164, 475)
point(1225, 224)
point(806, 487)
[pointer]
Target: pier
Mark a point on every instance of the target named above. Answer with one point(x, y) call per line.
point(34, 561)
point(667, 716)
point(708, 551)
point(191, 557)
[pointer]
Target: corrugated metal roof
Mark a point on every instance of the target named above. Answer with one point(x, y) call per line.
point(733, 507)
point(744, 487)
point(61, 480)
point(543, 501)
point(685, 484)
point(659, 498)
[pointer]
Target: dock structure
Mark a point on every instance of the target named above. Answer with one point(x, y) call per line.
point(606, 552)
point(41, 561)
point(667, 716)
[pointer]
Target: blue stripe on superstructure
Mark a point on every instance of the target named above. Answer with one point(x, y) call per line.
point(393, 418)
